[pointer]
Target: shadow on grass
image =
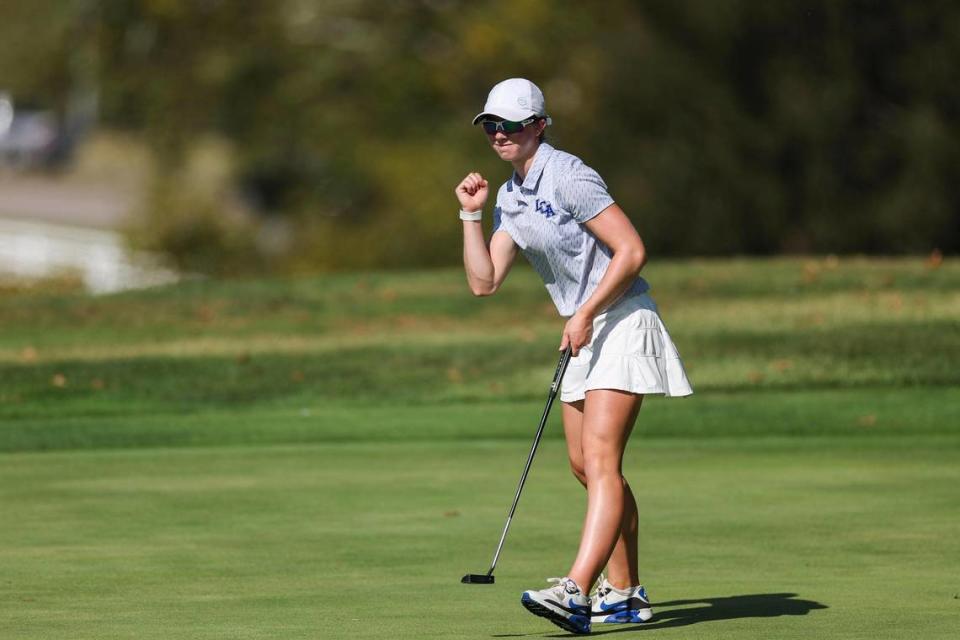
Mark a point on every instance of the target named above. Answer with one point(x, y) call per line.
point(679, 613)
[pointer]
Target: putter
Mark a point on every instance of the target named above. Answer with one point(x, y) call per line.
point(487, 578)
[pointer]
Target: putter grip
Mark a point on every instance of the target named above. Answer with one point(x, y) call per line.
point(561, 369)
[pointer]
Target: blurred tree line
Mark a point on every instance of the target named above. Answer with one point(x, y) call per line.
point(297, 134)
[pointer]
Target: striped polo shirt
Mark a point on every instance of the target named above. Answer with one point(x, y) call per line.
point(545, 215)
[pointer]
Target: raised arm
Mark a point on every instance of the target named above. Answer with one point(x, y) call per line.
point(486, 265)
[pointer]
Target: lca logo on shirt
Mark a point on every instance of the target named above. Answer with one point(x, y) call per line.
point(545, 208)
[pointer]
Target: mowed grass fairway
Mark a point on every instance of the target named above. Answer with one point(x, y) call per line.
point(324, 457)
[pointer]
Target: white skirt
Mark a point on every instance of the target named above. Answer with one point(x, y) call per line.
point(630, 350)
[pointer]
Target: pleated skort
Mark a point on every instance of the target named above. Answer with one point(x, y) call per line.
point(630, 350)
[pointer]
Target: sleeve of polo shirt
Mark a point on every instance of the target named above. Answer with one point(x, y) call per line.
point(583, 193)
point(497, 214)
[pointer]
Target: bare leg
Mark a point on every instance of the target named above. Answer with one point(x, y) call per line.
point(607, 420)
point(572, 430)
point(622, 566)
point(622, 569)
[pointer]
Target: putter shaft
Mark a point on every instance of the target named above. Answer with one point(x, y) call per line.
point(554, 389)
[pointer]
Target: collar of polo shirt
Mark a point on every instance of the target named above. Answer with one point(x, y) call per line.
point(536, 169)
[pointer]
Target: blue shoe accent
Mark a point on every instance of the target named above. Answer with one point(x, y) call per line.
point(623, 617)
point(616, 607)
point(610, 606)
point(578, 622)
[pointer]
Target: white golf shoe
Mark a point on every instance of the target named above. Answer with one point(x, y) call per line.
point(614, 605)
point(563, 604)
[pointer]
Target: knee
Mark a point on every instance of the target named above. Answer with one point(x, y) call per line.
point(576, 468)
point(601, 465)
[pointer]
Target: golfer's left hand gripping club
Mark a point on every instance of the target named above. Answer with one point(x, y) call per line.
point(487, 578)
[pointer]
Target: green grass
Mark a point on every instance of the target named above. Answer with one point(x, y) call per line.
point(787, 538)
point(284, 458)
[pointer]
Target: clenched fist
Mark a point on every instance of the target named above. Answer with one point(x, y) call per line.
point(472, 192)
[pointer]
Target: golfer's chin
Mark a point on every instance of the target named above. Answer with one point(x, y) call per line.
point(506, 152)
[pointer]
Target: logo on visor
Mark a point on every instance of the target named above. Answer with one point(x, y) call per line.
point(545, 208)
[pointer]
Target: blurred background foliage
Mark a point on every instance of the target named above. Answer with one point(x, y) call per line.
point(295, 135)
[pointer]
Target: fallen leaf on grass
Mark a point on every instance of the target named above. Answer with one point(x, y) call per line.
point(206, 313)
point(811, 273)
point(782, 365)
point(868, 420)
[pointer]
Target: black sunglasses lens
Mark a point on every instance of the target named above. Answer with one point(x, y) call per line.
point(507, 126)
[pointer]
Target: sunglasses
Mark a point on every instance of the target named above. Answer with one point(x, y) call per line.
point(507, 126)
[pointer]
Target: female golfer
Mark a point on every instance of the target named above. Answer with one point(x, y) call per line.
point(556, 210)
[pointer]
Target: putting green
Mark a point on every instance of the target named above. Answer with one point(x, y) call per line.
point(780, 537)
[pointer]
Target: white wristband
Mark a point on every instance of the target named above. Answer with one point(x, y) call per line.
point(472, 216)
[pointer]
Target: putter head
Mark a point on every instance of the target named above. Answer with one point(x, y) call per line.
point(477, 578)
